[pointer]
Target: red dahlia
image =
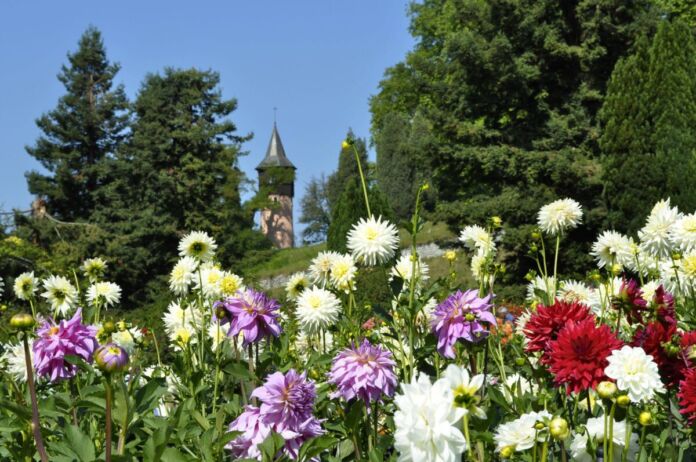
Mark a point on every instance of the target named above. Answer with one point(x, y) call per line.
point(687, 395)
point(578, 356)
point(630, 301)
point(663, 303)
point(544, 324)
point(654, 338)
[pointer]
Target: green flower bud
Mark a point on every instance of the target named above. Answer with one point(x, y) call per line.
point(645, 418)
point(559, 428)
point(507, 452)
point(22, 321)
point(623, 400)
point(109, 327)
point(606, 390)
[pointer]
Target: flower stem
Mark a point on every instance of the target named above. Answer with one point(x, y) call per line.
point(109, 396)
point(465, 425)
point(611, 435)
point(362, 180)
point(217, 366)
point(35, 422)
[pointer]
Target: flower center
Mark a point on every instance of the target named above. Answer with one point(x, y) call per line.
point(53, 330)
point(689, 265)
point(371, 234)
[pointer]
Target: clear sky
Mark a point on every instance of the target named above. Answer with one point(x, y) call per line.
point(317, 61)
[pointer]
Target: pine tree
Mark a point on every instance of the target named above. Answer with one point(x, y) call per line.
point(80, 134)
point(396, 167)
point(648, 138)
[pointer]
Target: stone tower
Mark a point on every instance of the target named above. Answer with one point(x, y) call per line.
point(277, 178)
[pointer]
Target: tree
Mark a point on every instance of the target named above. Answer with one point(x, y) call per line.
point(315, 211)
point(80, 134)
point(347, 168)
point(648, 117)
point(177, 173)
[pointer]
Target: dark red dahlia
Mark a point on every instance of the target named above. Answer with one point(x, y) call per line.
point(655, 338)
point(544, 324)
point(578, 356)
point(630, 301)
point(663, 303)
point(687, 395)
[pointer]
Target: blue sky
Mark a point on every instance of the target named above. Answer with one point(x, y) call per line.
point(317, 61)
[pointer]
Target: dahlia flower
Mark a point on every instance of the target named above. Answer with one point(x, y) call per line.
point(630, 300)
point(477, 239)
point(559, 216)
point(578, 292)
point(365, 372)
point(373, 241)
point(544, 324)
point(254, 315)
point(461, 315)
point(55, 341)
point(404, 270)
point(230, 284)
point(106, 293)
point(111, 358)
point(320, 269)
point(317, 309)
point(93, 268)
point(634, 372)
point(687, 396)
point(655, 235)
point(342, 272)
point(578, 356)
point(127, 339)
point(13, 361)
point(198, 245)
point(595, 430)
point(60, 294)
point(648, 290)
point(181, 323)
point(683, 233)
point(297, 283)
point(25, 286)
point(427, 422)
point(521, 433)
point(464, 388)
point(209, 281)
point(612, 248)
point(182, 275)
point(541, 285)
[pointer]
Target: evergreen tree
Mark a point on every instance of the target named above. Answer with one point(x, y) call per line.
point(347, 168)
point(80, 134)
point(315, 211)
point(648, 137)
point(395, 167)
point(176, 174)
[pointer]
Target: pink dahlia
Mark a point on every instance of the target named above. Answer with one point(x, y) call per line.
point(461, 315)
point(253, 314)
point(365, 372)
point(545, 323)
point(578, 357)
point(286, 408)
point(56, 341)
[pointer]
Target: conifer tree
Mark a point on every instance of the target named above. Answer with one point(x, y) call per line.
point(80, 134)
point(347, 169)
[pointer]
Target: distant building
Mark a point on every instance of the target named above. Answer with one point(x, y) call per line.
point(277, 178)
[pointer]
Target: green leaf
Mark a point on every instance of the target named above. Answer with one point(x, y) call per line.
point(271, 446)
point(80, 443)
point(316, 446)
point(238, 370)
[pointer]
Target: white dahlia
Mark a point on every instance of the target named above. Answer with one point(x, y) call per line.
point(635, 372)
point(464, 388)
point(198, 245)
point(93, 268)
point(230, 284)
point(559, 216)
point(478, 239)
point(539, 286)
point(427, 422)
point(595, 430)
point(317, 309)
point(655, 235)
point(297, 283)
point(182, 275)
point(106, 293)
point(612, 248)
point(13, 361)
point(60, 294)
point(648, 290)
point(342, 272)
point(180, 323)
point(521, 433)
point(577, 292)
point(683, 233)
point(210, 281)
point(404, 270)
point(25, 286)
point(373, 241)
point(127, 338)
point(320, 268)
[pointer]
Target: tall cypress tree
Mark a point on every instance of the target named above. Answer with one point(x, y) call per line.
point(347, 169)
point(648, 139)
point(80, 134)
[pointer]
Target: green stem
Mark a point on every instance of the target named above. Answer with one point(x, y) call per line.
point(545, 451)
point(217, 366)
point(124, 426)
point(35, 421)
point(109, 396)
point(642, 442)
point(465, 425)
point(611, 434)
point(555, 262)
point(154, 339)
point(362, 180)
point(624, 452)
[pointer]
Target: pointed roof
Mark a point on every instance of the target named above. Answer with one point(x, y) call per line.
point(275, 154)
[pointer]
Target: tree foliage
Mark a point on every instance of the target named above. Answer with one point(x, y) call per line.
point(316, 214)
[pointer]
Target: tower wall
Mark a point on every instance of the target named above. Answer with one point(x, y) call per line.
point(276, 223)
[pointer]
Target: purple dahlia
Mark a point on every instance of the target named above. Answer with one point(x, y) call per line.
point(252, 314)
point(461, 315)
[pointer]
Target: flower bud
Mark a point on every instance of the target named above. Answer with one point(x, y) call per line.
point(539, 425)
point(507, 452)
point(121, 325)
point(3, 307)
point(22, 321)
point(645, 418)
point(450, 255)
point(496, 221)
point(220, 312)
point(111, 358)
point(616, 269)
point(606, 390)
point(623, 400)
point(559, 428)
point(520, 361)
point(536, 235)
point(109, 327)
